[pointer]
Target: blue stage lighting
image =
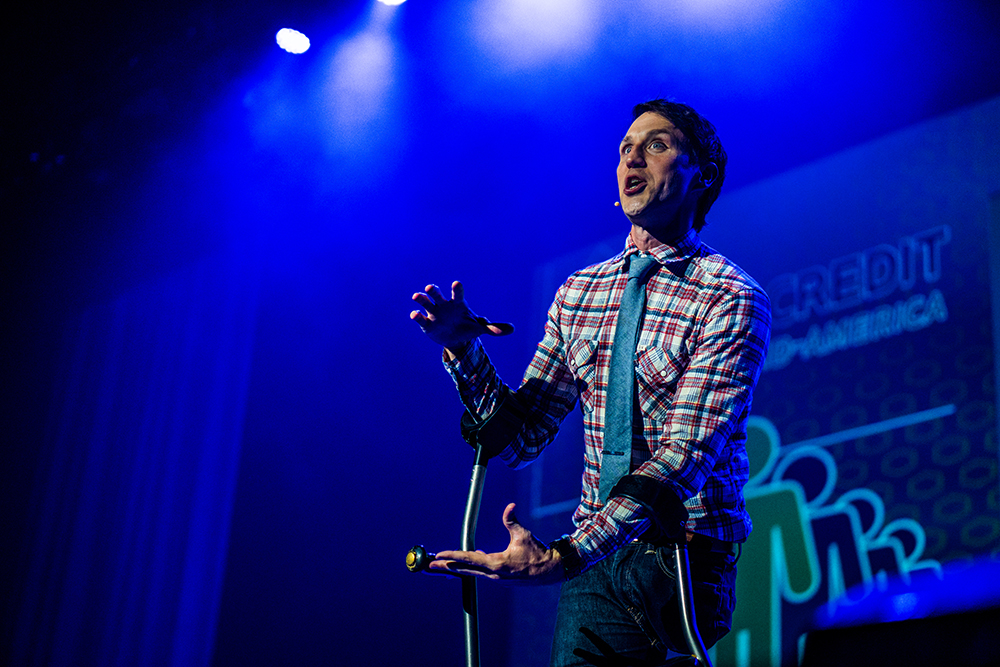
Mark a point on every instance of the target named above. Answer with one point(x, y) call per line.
point(292, 41)
point(392, 3)
point(521, 34)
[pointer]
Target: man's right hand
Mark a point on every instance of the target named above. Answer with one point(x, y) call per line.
point(449, 322)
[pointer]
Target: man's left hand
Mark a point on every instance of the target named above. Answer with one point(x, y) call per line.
point(525, 561)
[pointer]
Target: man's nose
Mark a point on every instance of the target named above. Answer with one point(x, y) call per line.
point(635, 158)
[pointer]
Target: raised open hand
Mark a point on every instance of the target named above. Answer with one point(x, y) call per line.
point(450, 322)
point(524, 561)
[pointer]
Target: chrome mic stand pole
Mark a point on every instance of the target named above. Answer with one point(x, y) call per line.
point(685, 603)
point(418, 559)
point(470, 604)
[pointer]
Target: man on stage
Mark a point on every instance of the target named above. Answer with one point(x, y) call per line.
point(661, 346)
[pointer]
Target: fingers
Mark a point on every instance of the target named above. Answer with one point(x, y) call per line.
point(500, 328)
point(456, 569)
point(432, 296)
point(424, 300)
point(518, 533)
point(476, 557)
point(509, 518)
point(429, 300)
point(495, 328)
point(449, 321)
point(463, 563)
point(434, 292)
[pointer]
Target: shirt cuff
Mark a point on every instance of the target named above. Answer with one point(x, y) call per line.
point(570, 558)
point(468, 356)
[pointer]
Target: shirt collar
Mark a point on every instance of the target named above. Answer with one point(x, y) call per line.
point(679, 251)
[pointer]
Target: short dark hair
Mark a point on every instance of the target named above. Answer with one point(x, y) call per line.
point(700, 143)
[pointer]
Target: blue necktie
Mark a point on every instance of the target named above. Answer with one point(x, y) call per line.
point(616, 457)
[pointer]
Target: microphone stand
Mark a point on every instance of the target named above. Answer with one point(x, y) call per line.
point(470, 604)
point(418, 559)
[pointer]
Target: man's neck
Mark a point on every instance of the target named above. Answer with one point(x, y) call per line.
point(647, 239)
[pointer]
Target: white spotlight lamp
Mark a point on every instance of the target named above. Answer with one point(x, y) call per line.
point(292, 41)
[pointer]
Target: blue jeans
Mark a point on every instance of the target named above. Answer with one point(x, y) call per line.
point(625, 606)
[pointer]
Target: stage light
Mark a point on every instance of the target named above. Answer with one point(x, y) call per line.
point(292, 41)
point(360, 80)
point(392, 3)
point(530, 33)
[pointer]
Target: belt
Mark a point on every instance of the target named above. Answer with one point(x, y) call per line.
point(699, 542)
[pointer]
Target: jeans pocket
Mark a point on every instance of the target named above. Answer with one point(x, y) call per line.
point(710, 610)
point(712, 586)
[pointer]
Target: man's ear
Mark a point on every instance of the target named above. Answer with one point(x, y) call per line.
point(709, 172)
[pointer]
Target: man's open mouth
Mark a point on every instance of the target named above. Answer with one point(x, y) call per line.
point(633, 184)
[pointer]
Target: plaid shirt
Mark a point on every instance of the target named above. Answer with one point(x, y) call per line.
point(701, 349)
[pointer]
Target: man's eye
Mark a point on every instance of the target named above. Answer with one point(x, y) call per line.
point(626, 150)
point(658, 145)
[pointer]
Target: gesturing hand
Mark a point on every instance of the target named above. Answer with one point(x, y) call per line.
point(524, 561)
point(449, 322)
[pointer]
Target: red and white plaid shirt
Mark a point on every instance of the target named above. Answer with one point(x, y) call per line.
point(700, 352)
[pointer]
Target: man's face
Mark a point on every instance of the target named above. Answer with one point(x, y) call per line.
point(656, 179)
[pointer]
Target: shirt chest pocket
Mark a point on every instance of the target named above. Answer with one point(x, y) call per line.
point(582, 359)
point(657, 373)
